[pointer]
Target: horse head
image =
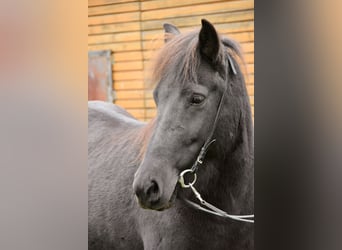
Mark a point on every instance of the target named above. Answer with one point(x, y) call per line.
point(191, 74)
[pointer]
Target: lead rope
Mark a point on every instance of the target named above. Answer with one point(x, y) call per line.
point(199, 161)
point(211, 208)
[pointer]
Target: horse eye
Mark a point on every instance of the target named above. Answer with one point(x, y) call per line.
point(197, 99)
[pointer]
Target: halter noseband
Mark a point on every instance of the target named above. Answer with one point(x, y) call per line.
point(199, 161)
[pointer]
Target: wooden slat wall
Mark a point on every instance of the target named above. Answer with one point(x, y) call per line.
point(133, 31)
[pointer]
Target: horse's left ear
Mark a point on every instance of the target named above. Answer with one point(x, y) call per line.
point(209, 42)
point(170, 31)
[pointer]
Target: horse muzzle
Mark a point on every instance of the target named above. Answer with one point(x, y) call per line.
point(153, 193)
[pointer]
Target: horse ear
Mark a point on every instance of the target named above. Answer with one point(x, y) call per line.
point(209, 42)
point(170, 31)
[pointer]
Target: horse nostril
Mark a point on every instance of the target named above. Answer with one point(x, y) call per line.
point(148, 194)
point(152, 191)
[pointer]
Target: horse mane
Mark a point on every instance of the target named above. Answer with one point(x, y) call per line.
point(144, 137)
point(182, 51)
point(141, 138)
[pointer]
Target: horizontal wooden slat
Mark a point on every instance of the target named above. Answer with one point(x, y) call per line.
point(115, 18)
point(128, 66)
point(195, 21)
point(113, 8)
point(241, 37)
point(247, 47)
point(127, 56)
point(105, 2)
point(150, 54)
point(248, 57)
point(249, 79)
point(126, 46)
point(149, 94)
point(251, 99)
point(128, 85)
point(128, 75)
point(250, 90)
point(198, 9)
point(250, 68)
point(131, 104)
point(110, 38)
point(130, 94)
point(161, 4)
point(113, 28)
point(150, 103)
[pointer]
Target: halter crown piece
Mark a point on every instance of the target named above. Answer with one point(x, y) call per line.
point(211, 209)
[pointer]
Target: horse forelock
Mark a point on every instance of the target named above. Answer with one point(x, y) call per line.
point(179, 58)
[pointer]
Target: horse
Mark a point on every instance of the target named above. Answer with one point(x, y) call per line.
point(135, 197)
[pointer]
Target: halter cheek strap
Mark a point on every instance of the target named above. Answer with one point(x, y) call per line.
point(210, 139)
point(199, 161)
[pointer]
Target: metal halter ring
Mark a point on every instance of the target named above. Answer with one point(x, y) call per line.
point(181, 178)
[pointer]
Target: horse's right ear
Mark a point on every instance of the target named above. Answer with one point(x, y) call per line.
point(170, 31)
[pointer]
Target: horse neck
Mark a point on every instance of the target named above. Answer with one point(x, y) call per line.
point(231, 160)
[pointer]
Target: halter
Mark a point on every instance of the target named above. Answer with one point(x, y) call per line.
point(211, 209)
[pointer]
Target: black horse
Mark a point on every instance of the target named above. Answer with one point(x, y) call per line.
point(135, 199)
